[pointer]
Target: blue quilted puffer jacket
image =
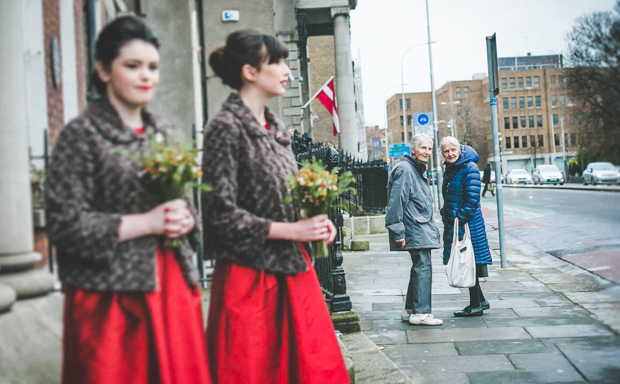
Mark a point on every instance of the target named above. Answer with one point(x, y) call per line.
point(461, 194)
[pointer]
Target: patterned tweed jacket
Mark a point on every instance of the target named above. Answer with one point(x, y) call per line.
point(89, 183)
point(247, 166)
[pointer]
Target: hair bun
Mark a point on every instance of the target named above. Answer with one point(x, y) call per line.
point(216, 61)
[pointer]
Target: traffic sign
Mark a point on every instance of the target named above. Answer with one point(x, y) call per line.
point(422, 119)
point(399, 150)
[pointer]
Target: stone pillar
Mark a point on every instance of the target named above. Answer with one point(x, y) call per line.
point(16, 228)
point(345, 93)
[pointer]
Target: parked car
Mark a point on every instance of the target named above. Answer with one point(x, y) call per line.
point(600, 173)
point(518, 176)
point(548, 174)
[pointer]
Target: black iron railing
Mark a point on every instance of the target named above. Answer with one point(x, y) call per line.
point(370, 197)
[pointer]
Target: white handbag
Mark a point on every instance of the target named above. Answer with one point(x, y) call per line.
point(461, 268)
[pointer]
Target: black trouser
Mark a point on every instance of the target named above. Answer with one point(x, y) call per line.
point(475, 295)
point(486, 188)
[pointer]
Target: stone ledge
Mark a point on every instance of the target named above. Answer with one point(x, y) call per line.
point(28, 283)
point(7, 297)
point(346, 322)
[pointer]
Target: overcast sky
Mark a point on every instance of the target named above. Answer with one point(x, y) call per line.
point(382, 30)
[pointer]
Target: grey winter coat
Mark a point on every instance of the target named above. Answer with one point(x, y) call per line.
point(247, 166)
point(410, 208)
point(89, 183)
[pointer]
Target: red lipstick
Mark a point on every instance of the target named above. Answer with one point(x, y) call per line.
point(144, 88)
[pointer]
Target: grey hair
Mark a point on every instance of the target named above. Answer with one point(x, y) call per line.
point(419, 139)
point(450, 140)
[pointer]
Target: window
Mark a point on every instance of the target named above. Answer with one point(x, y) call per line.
point(523, 141)
point(402, 136)
point(554, 101)
point(400, 103)
point(504, 84)
point(552, 81)
point(539, 122)
point(523, 121)
point(563, 119)
point(530, 121)
point(561, 81)
point(506, 122)
point(522, 102)
point(468, 128)
point(465, 92)
point(530, 102)
point(536, 82)
point(515, 122)
point(573, 139)
point(467, 112)
point(506, 106)
point(459, 110)
point(528, 82)
point(541, 141)
point(520, 81)
point(513, 102)
point(569, 101)
point(458, 92)
point(556, 139)
point(408, 103)
point(409, 118)
point(512, 83)
point(538, 102)
point(562, 101)
point(555, 120)
point(516, 146)
point(508, 142)
point(532, 141)
point(401, 122)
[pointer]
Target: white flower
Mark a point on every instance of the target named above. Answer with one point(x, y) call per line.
point(159, 138)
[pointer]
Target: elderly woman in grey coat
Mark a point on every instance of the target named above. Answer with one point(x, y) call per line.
point(409, 220)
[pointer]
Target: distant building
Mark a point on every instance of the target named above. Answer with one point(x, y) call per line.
point(533, 105)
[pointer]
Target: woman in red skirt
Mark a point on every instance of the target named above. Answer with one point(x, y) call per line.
point(268, 322)
point(132, 309)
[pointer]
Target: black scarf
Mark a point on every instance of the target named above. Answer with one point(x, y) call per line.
point(419, 166)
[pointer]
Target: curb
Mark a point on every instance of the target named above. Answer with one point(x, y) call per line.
point(566, 187)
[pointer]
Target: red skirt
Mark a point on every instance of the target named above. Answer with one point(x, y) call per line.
point(156, 337)
point(267, 329)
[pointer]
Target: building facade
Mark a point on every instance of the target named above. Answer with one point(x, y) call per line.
point(534, 113)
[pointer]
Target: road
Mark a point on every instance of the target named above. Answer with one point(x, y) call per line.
point(582, 227)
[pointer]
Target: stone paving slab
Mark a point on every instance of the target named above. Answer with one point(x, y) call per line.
point(466, 334)
point(436, 378)
point(551, 311)
point(494, 347)
point(491, 313)
point(523, 377)
point(405, 351)
point(538, 321)
point(596, 358)
point(455, 364)
point(448, 323)
point(387, 337)
point(578, 330)
point(553, 362)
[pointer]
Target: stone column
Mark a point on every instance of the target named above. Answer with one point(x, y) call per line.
point(345, 93)
point(16, 228)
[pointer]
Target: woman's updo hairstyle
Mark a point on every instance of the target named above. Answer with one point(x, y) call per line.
point(112, 38)
point(243, 47)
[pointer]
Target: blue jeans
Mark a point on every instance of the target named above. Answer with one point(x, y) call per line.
point(420, 282)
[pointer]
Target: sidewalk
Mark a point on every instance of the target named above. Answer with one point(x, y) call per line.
point(549, 322)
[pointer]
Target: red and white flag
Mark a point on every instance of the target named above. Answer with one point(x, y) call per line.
point(327, 97)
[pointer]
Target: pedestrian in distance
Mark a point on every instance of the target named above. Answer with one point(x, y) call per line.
point(268, 322)
point(411, 227)
point(486, 179)
point(132, 310)
point(461, 194)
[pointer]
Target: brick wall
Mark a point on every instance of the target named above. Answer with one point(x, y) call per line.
point(321, 67)
point(51, 28)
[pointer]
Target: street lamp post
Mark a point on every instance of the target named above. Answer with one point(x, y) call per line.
point(402, 90)
point(452, 125)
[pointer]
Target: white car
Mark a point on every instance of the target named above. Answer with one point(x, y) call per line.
point(518, 176)
point(600, 173)
point(548, 174)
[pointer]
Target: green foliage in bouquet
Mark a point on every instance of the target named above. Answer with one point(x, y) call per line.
point(314, 190)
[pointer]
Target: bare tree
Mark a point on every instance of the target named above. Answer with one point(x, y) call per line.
point(594, 72)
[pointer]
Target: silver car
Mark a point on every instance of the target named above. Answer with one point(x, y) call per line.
point(518, 176)
point(600, 173)
point(548, 174)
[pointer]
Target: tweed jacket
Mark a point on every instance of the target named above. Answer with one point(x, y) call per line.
point(247, 166)
point(91, 182)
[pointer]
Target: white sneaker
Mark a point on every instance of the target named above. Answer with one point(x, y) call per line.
point(404, 316)
point(424, 320)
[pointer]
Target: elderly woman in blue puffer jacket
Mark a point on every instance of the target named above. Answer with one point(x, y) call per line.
point(461, 194)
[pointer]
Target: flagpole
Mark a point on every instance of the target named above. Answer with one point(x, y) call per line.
point(316, 94)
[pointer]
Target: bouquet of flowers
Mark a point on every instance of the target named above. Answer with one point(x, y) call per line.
point(314, 190)
point(170, 170)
